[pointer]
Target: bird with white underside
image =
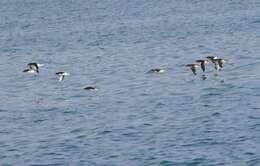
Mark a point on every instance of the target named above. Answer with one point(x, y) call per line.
point(62, 75)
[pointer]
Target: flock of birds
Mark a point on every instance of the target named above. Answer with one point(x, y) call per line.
point(218, 65)
point(34, 68)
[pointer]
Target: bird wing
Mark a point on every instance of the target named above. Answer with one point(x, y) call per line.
point(193, 69)
point(61, 77)
point(216, 66)
point(220, 63)
point(203, 66)
point(26, 70)
point(199, 61)
point(90, 88)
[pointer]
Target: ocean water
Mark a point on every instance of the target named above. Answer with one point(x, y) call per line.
point(135, 118)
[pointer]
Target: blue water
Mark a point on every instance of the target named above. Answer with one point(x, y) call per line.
point(135, 118)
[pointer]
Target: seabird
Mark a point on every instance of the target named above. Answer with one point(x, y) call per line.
point(193, 67)
point(90, 88)
point(220, 62)
point(33, 67)
point(62, 75)
point(212, 58)
point(202, 64)
point(156, 70)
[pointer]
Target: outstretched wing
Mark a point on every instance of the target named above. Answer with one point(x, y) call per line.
point(59, 73)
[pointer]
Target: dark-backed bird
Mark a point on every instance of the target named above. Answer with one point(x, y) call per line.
point(220, 62)
point(212, 58)
point(62, 75)
point(202, 64)
point(32, 67)
point(90, 88)
point(193, 67)
point(156, 70)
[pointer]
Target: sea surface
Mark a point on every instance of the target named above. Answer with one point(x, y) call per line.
point(135, 118)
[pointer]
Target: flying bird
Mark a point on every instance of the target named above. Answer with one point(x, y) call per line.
point(202, 64)
point(220, 62)
point(62, 75)
point(156, 70)
point(90, 88)
point(32, 67)
point(193, 67)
